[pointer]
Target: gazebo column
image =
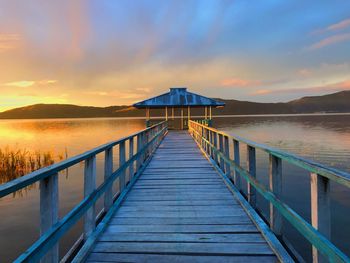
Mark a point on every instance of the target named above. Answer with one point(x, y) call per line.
point(166, 113)
point(189, 113)
point(210, 115)
point(172, 113)
point(182, 118)
point(205, 112)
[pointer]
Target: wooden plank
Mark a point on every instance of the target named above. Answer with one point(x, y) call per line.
point(49, 212)
point(151, 258)
point(195, 214)
point(235, 219)
point(275, 183)
point(237, 160)
point(122, 157)
point(185, 248)
point(251, 164)
point(187, 202)
point(89, 187)
point(320, 210)
point(108, 196)
point(184, 237)
point(179, 208)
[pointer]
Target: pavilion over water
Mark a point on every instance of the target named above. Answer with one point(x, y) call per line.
point(179, 98)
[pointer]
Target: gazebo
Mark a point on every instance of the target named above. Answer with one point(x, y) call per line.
point(179, 98)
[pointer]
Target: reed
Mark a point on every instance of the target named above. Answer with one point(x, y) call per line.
point(19, 162)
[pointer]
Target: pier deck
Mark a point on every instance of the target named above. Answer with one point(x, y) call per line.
point(180, 210)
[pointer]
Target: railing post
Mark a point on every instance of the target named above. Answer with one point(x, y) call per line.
point(49, 212)
point(275, 183)
point(221, 145)
point(121, 162)
point(320, 210)
point(131, 154)
point(227, 154)
point(207, 137)
point(108, 196)
point(251, 164)
point(215, 146)
point(139, 147)
point(89, 187)
point(237, 160)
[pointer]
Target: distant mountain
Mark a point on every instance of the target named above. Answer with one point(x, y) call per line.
point(336, 102)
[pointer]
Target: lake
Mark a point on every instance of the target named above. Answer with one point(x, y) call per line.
point(324, 138)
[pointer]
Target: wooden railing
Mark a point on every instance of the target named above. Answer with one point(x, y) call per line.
point(216, 144)
point(51, 227)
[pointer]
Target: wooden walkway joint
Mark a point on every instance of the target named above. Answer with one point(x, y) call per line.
point(180, 210)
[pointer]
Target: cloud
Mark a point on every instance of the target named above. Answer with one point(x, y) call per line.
point(330, 41)
point(235, 82)
point(21, 84)
point(9, 42)
point(29, 83)
point(261, 92)
point(304, 72)
point(340, 25)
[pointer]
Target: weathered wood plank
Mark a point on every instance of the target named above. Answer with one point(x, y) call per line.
point(180, 206)
point(185, 248)
point(193, 238)
point(236, 219)
point(151, 258)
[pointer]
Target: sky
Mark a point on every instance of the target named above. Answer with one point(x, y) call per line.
point(102, 53)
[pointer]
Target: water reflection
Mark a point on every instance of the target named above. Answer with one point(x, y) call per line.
point(322, 138)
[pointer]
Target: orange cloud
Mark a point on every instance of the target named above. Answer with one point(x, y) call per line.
point(9, 41)
point(330, 41)
point(234, 82)
point(28, 83)
point(261, 92)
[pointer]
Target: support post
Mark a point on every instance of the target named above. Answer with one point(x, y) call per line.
point(172, 113)
point(320, 210)
point(210, 113)
point(189, 113)
point(182, 119)
point(215, 146)
point(138, 149)
point(205, 112)
point(121, 162)
point(237, 160)
point(221, 145)
point(227, 154)
point(108, 196)
point(89, 187)
point(166, 113)
point(251, 164)
point(275, 183)
point(49, 212)
point(131, 154)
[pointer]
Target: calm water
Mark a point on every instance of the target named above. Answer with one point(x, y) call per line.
point(322, 138)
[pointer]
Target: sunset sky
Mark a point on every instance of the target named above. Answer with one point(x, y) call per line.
point(105, 53)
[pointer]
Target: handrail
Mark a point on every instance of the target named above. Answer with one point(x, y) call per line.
point(52, 229)
point(207, 137)
point(336, 175)
point(33, 177)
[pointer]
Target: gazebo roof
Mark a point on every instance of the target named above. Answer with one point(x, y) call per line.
point(178, 97)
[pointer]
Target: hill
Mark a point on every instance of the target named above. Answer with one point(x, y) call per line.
point(336, 102)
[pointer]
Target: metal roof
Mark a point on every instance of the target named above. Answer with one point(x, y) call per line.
point(178, 97)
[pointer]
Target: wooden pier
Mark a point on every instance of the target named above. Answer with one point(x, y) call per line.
point(181, 199)
point(180, 210)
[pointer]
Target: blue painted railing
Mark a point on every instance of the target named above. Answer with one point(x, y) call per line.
point(216, 144)
point(52, 229)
